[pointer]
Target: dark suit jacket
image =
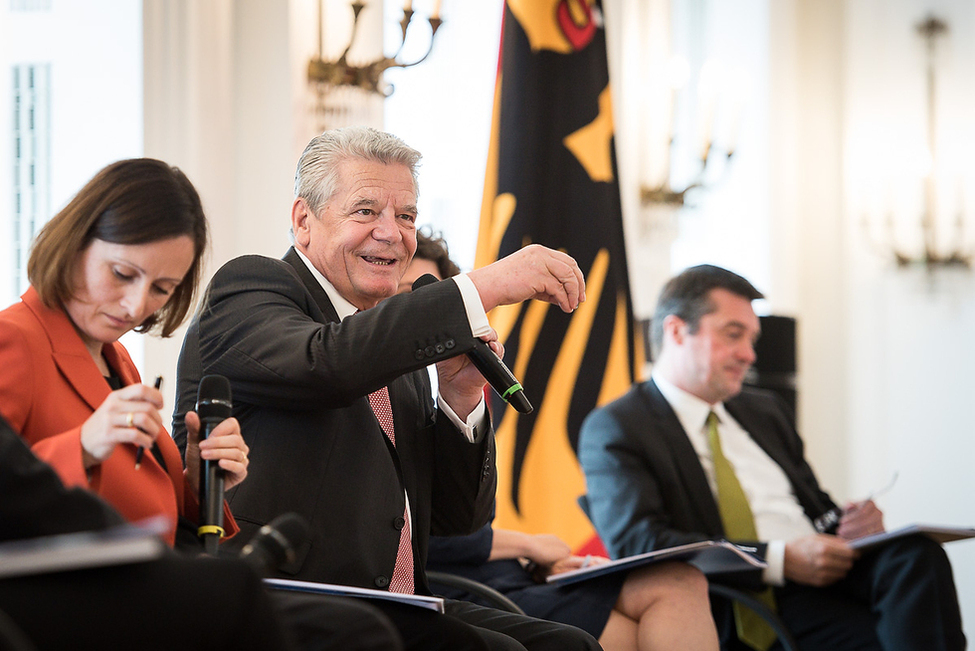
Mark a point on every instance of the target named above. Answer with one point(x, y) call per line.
point(300, 381)
point(646, 487)
point(34, 502)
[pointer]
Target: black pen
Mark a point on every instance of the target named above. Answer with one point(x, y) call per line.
point(141, 451)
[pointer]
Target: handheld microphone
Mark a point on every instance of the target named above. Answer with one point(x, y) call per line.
point(275, 544)
point(490, 365)
point(213, 406)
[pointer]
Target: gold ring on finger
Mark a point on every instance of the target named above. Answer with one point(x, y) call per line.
point(129, 418)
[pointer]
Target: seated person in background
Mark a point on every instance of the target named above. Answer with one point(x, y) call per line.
point(126, 253)
point(692, 455)
point(655, 608)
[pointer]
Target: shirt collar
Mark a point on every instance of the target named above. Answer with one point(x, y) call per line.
point(691, 410)
point(342, 307)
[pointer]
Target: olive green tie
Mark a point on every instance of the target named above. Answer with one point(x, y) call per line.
point(739, 524)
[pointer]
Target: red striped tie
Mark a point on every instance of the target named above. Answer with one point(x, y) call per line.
point(402, 580)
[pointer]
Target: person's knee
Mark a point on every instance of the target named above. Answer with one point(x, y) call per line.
point(671, 579)
point(691, 579)
point(317, 622)
point(918, 555)
point(664, 588)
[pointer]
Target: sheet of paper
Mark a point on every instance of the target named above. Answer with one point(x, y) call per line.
point(710, 556)
point(421, 601)
point(938, 533)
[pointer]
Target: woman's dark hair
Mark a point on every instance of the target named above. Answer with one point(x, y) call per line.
point(135, 201)
point(432, 247)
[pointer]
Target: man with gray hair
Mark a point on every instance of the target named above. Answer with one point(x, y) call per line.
point(691, 455)
point(327, 369)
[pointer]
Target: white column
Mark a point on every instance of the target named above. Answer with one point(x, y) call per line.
point(219, 104)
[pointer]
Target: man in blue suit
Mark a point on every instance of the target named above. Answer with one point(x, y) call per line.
point(652, 460)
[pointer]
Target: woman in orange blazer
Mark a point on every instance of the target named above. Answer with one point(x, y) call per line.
point(125, 253)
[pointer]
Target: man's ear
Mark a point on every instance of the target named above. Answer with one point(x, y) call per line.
point(300, 215)
point(675, 329)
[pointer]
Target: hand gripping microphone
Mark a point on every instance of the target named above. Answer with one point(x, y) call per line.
point(276, 543)
point(213, 406)
point(490, 365)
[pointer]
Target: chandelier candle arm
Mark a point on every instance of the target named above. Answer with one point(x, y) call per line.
point(324, 74)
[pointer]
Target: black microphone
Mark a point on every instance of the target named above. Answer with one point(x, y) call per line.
point(490, 365)
point(276, 543)
point(213, 406)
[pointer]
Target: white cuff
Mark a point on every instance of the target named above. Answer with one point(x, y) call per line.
point(468, 429)
point(774, 574)
point(472, 304)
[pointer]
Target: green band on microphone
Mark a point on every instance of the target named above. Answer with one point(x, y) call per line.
point(512, 389)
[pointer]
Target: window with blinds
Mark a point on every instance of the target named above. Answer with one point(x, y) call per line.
point(31, 102)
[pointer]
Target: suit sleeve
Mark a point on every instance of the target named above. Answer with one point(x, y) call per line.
point(16, 380)
point(767, 412)
point(18, 388)
point(626, 501)
point(188, 375)
point(258, 330)
point(34, 502)
point(473, 549)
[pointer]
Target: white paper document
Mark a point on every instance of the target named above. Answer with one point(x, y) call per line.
point(709, 556)
point(420, 601)
point(940, 534)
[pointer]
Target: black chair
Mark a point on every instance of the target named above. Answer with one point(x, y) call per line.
point(489, 594)
point(775, 359)
point(786, 639)
point(12, 638)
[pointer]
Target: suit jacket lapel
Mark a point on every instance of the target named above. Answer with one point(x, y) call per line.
point(321, 299)
point(771, 441)
point(69, 352)
point(668, 429)
point(311, 284)
point(767, 440)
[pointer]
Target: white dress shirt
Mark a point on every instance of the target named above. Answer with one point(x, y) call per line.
point(778, 515)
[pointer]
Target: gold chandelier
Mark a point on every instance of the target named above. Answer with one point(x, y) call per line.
point(324, 75)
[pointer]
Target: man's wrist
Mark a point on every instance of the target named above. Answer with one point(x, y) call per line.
point(468, 425)
point(476, 316)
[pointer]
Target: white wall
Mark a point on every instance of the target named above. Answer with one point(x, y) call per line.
point(442, 107)
point(94, 49)
point(883, 351)
point(908, 332)
point(221, 103)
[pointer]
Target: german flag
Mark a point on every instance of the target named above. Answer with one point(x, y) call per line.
point(551, 179)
